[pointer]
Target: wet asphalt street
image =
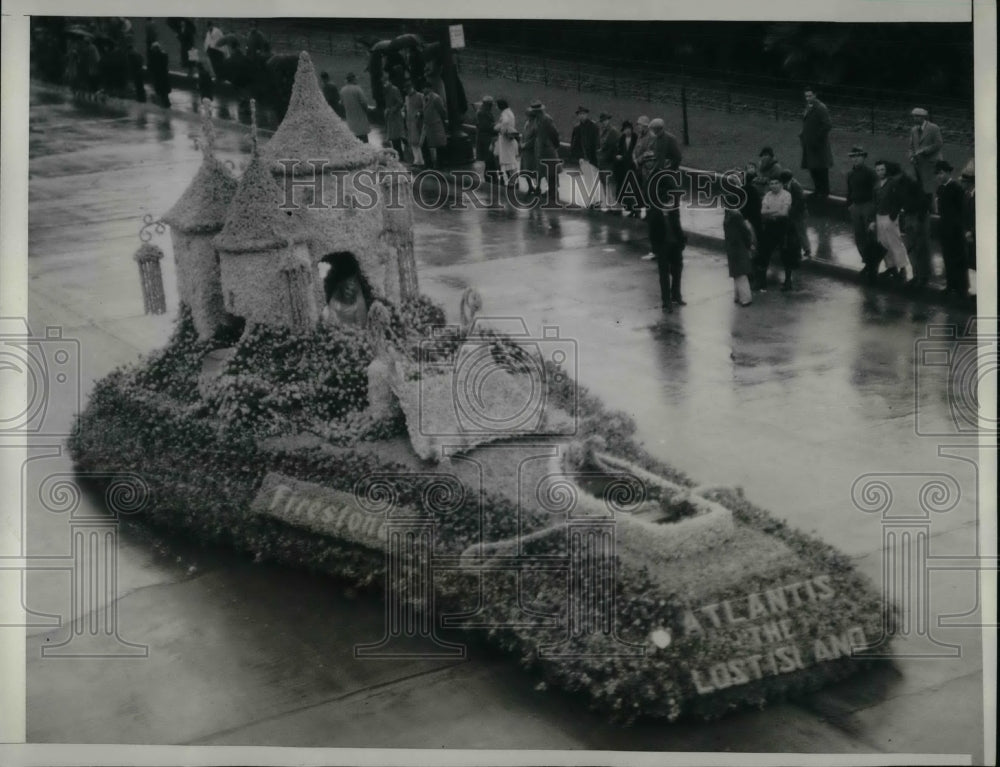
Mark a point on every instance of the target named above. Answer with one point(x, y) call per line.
point(792, 399)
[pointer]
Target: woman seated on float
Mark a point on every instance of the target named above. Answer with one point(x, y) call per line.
point(347, 294)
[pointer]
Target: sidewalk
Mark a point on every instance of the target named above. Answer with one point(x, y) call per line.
point(831, 241)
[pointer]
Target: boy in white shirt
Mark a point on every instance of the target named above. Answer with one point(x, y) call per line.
point(774, 209)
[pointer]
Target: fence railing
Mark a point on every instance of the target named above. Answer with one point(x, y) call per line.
point(865, 110)
point(854, 108)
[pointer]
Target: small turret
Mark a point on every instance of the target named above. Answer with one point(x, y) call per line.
point(267, 275)
point(195, 219)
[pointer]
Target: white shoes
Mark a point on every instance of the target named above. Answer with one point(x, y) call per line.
point(649, 256)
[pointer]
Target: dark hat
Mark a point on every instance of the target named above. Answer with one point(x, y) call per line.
point(605, 116)
point(351, 77)
point(766, 150)
point(857, 151)
point(581, 110)
point(785, 175)
point(943, 165)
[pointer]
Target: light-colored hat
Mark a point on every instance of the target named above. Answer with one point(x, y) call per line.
point(536, 106)
point(643, 120)
point(919, 112)
point(487, 100)
point(656, 122)
point(969, 171)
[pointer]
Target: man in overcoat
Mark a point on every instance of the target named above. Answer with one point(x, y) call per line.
point(585, 138)
point(950, 203)
point(925, 149)
point(817, 156)
point(546, 148)
point(861, 181)
point(607, 150)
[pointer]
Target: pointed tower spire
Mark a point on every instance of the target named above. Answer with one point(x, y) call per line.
point(204, 205)
point(311, 130)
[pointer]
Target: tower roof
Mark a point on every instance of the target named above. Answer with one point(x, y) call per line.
point(311, 130)
point(204, 204)
point(254, 221)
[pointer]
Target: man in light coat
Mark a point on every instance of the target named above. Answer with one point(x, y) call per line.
point(356, 107)
point(925, 150)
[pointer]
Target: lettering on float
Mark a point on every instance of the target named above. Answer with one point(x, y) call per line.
point(764, 626)
point(318, 508)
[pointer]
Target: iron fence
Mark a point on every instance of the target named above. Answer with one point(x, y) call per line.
point(855, 109)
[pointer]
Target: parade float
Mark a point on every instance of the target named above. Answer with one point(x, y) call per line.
point(313, 408)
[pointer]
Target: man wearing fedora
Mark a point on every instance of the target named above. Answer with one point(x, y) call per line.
point(585, 137)
point(583, 146)
point(951, 202)
point(925, 149)
point(861, 181)
point(541, 141)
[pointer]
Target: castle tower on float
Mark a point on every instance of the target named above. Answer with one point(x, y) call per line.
point(195, 219)
point(351, 197)
point(266, 272)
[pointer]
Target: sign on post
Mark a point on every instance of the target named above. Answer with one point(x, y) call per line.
point(457, 34)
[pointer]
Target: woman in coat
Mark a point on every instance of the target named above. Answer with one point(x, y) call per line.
point(393, 115)
point(435, 124)
point(625, 166)
point(740, 243)
point(506, 146)
point(414, 122)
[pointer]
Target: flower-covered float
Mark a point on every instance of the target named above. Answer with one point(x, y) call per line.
point(313, 408)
